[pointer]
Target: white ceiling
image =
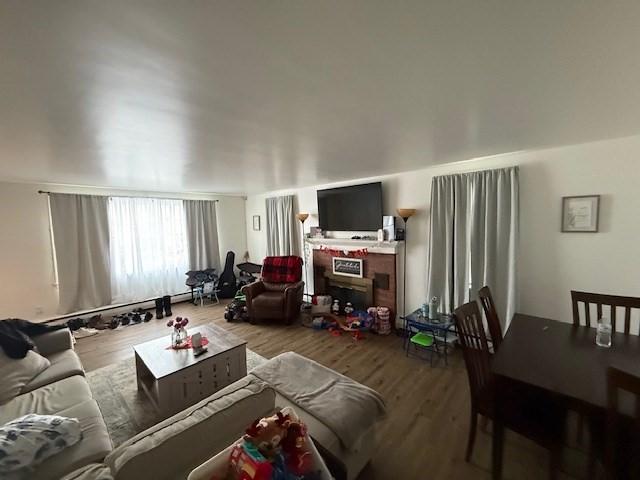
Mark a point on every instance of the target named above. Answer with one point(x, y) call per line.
point(249, 96)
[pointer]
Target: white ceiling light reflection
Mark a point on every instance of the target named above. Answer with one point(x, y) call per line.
point(140, 122)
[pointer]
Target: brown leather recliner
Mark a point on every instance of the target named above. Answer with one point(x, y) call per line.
point(268, 300)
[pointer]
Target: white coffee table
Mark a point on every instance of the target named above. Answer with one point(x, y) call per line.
point(176, 379)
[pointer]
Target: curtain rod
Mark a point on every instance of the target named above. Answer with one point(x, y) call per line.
point(128, 196)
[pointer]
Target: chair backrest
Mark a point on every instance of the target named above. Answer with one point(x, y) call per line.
point(622, 453)
point(612, 301)
point(284, 269)
point(475, 347)
point(490, 312)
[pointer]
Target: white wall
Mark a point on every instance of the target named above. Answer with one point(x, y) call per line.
point(27, 287)
point(551, 263)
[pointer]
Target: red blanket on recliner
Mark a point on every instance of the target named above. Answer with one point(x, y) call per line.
point(282, 269)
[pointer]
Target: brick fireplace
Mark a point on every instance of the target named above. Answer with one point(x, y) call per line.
point(379, 283)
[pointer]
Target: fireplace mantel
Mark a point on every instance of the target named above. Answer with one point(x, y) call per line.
point(348, 244)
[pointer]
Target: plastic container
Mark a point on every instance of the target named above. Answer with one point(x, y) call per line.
point(216, 468)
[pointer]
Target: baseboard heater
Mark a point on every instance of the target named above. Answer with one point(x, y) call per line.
point(186, 296)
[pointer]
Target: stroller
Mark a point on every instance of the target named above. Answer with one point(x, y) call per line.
point(207, 284)
point(203, 284)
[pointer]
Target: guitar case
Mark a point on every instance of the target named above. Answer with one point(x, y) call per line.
point(227, 283)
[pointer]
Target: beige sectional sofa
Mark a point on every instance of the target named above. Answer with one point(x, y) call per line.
point(174, 447)
point(61, 389)
point(171, 449)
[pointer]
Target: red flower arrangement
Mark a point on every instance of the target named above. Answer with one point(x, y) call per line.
point(179, 323)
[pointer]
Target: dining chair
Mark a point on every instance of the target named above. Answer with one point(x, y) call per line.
point(622, 444)
point(491, 314)
point(600, 300)
point(521, 410)
point(587, 300)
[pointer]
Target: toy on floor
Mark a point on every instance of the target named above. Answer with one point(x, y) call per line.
point(335, 308)
point(344, 325)
point(384, 317)
point(348, 309)
point(372, 312)
point(237, 309)
point(360, 320)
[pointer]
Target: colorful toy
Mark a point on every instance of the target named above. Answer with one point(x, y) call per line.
point(298, 456)
point(335, 308)
point(384, 324)
point(373, 314)
point(237, 309)
point(247, 463)
point(273, 448)
point(267, 433)
point(348, 309)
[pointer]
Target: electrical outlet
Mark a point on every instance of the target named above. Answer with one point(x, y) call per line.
point(39, 310)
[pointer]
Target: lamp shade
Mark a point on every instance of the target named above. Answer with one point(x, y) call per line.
point(406, 212)
point(302, 216)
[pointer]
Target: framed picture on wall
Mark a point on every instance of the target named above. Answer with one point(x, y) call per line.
point(580, 214)
point(256, 223)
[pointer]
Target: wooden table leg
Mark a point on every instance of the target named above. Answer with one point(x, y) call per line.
point(498, 432)
point(498, 443)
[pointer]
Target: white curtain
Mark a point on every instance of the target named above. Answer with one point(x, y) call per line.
point(81, 242)
point(202, 234)
point(474, 239)
point(282, 236)
point(149, 248)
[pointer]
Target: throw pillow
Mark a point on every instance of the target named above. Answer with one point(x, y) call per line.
point(29, 440)
point(16, 373)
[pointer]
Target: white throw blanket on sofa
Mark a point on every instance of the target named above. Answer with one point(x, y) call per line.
point(348, 408)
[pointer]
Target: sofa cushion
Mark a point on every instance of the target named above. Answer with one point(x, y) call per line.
point(27, 441)
point(47, 400)
point(93, 447)
point(269, 301)
point(197, 433)
point(53, 342)
point(16, 373)
point(64, 364)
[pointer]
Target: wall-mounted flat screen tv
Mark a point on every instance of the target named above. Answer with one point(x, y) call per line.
point(354, 208)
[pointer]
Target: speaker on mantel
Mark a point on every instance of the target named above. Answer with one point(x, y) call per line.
point(389, 227)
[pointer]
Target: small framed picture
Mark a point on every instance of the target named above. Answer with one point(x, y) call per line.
point(580, 214)
point(256, 223)
point(348, 267)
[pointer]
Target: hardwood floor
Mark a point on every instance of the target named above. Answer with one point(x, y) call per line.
point(425, 433)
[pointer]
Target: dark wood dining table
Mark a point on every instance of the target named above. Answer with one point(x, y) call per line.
point(563, 360)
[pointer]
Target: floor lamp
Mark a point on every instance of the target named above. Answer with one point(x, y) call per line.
point(405, 214)
point(302, 217)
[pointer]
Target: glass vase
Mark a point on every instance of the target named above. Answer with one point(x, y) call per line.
point(178, 337)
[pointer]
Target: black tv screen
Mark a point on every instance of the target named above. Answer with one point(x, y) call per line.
point(355, 208)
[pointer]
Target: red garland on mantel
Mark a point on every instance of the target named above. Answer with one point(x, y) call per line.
point(361, 252)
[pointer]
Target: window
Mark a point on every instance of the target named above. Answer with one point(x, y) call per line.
point(148, 247)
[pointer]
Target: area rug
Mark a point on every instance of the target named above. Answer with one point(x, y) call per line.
point(127, 411)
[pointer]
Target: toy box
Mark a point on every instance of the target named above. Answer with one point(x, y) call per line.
point(242, 457)
point(320, 304)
